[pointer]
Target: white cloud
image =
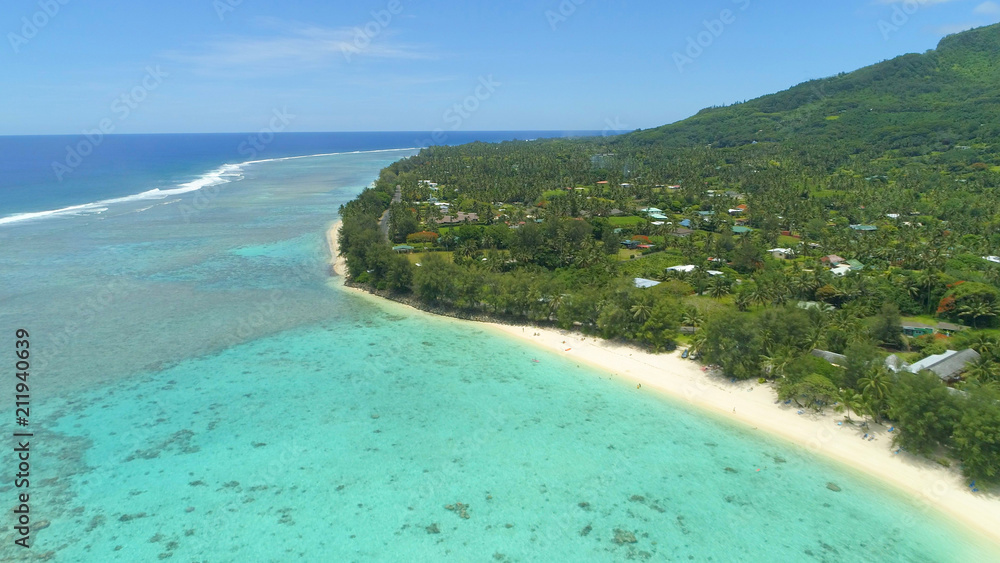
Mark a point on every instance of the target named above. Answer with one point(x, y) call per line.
point(989, 8)
point(295, 48)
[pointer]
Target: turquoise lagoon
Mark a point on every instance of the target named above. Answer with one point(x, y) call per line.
point(204, 393)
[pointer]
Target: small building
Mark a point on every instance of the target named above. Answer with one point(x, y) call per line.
point(643, 283)
point(631, 244)
point(948, 366)
point(781, 253)
point(683, 269)
point(832, 260)
point(740, 230)
point(855, 265)
point(403, 249)
point(651, 210)
point(682, 232)
point(686, 223)
point(915, 329)
point(864, 228)
point(841, 270)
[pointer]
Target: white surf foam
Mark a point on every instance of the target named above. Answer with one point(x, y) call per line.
point(222, 175)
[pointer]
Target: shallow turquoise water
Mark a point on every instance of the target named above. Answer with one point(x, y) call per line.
point(226, 404)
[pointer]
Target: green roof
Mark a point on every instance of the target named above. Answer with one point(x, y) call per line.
point(742, 230)
point(855, 265)
point(864, 227)
point(403, 247)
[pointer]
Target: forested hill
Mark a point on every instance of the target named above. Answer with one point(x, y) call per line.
point(915, 104)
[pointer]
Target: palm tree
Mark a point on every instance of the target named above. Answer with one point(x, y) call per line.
point(984, 370)
point(692, 317)
point(875, 388)
point(985, 344)
point(759, 294)
point(976, 310)
point(641, 312)
point(719, 287)
point(743, 301)
point(849, 400)
point(697, 342)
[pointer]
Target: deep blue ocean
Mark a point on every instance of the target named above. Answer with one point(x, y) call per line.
point(201, 391)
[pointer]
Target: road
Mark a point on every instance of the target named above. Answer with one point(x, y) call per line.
point(384, 221)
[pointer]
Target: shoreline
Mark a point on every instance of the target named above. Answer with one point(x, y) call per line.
point(755, 408)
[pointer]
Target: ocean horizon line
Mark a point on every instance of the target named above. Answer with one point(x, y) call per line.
point(285, 133)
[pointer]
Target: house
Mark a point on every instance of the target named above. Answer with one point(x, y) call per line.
point(948, 366)
point(855, 265)
point(740, 230)
point(651, 210)
point(686, 223)
point(994, 259)
point(915, 329)
point(683, 269)
point(832, 260)
point(631, 244)
point(864, 228)
point(460, 218)
point(682, 232)
point(781, 253)
point(403, 249)
point(643, 283)
point(658, 216)
point(841, 270)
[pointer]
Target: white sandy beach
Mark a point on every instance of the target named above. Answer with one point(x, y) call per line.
point(337, 263)
point(932, 486)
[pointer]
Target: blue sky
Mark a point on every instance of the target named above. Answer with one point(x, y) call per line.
point(380, 65)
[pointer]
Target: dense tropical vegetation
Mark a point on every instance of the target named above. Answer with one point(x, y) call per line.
point(826, 217)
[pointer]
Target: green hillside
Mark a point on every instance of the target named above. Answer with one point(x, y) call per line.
point(913, 105)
